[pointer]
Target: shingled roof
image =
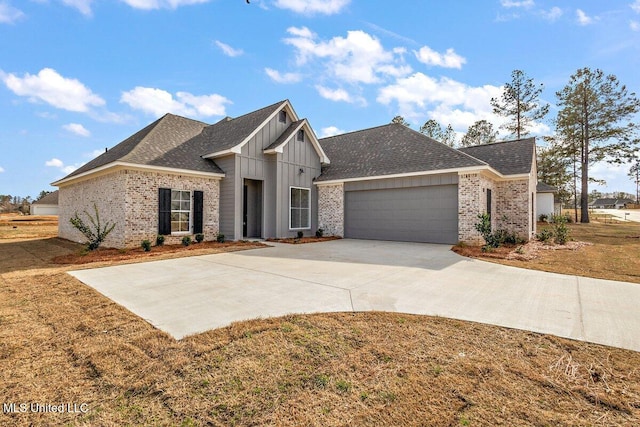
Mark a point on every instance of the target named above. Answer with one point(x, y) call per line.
point(388, 150)
point(543, 187)
point(228, 133)
point(507, 157)
point(49, 199)
point(167, 142)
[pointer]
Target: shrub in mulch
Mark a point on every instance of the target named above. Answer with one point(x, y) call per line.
point(111, 254)
point(295, 240)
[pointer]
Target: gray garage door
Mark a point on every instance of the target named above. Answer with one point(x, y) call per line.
point(414, 214)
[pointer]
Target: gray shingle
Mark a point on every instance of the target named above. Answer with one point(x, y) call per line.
point(49, 199)
point(285, 135)
point(228, 133)
point(543, 187)
point(165, 142)
point(507, 157)
point(387, 150)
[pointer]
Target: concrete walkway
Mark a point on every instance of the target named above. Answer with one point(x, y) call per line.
point(191, 295)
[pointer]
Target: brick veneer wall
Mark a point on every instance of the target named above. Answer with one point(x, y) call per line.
point(331, 209)
point(514, 207)
point(130, 200)
point(511, 207)
point(469, 206)
point(142, 204)
point(107, 193)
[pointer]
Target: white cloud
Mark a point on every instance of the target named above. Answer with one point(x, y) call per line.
point(59, 164)
point(161, 4)
point(278, 77)
point(311, 7)
point(357, 58)
point(83, 6)
point(553, 14)
point(443, 99)
point(159, 102)
point(635, 6)
point(54, 89)
point(77, 129)
point(334, 94)
point(513, 3)
point(583, 18)
point(9, 14)
point(1, 169)
point(634, 25)
point(450, 59)
point(228, 50)
point(331, 131)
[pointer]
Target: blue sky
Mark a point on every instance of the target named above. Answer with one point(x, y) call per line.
point(77, 76)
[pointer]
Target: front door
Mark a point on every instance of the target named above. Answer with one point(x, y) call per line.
point(252, 208)
point(244, 210)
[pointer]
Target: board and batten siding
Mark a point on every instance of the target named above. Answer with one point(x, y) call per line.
point(228, 196)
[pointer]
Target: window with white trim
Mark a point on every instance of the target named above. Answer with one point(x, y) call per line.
point(180, 211)
point(300, 208)
point(301, 135)
point(282, 116)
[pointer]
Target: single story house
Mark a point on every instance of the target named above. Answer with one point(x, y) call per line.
point(545, 200)
point(266, 174)
point(610, 203)
point(48, 205)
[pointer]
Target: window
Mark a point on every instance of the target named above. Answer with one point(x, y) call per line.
point(300, 212)
point(301, 135)
point(282, 117)
point(180, 211)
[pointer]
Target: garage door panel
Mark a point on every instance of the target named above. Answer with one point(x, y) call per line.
point(416, 214)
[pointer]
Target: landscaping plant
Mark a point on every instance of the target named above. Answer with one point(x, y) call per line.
point(199, 237)
point(95, 232)
point(146, 245)
point(220, 238)
point(159, 240)
point(186, 240)
point(560, 230)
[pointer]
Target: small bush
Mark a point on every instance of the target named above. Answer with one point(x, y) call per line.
point(300, 234)
point(320, 232)
point(560, 229)
point(146, 245)
point(186, 240)
point(159, 240)
point(94, 233)
point(545, 235)
point(543, 217)
point(199, 237)
point(220, 238)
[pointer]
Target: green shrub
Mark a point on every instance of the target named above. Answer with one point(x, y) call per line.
point(159, 240)
point(560, 229)
point(300, 234)
point(186, 240)
point(94, 233)
point(146, 245)
point(545, 235)
point(220, 238)
point(543, 217)
point(199, 237)
point(320, 232)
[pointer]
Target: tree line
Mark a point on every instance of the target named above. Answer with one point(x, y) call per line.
point(11, 204)
point(594, 123)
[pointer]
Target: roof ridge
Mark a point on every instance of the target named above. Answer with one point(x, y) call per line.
point(499, 142)
point(255, 111)
point(358, 131)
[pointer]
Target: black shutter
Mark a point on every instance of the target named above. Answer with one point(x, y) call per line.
point(489, 202)
point(197, 211)
point(164, 211)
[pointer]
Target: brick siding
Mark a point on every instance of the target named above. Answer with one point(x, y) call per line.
point(331, 209)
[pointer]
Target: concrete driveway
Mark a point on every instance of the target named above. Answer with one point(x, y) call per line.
point(191, 295)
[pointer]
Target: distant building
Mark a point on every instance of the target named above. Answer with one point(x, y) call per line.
point(48, 205)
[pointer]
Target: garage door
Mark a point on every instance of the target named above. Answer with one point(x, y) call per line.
point(413, 214)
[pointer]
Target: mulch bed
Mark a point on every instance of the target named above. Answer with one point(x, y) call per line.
point(111, 254)
point(295, 240)
point(524, 252)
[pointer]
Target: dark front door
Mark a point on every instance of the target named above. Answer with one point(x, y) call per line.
point(252, 208)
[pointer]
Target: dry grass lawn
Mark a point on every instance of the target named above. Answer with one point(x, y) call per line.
point(60, 341)
point(614, 252)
